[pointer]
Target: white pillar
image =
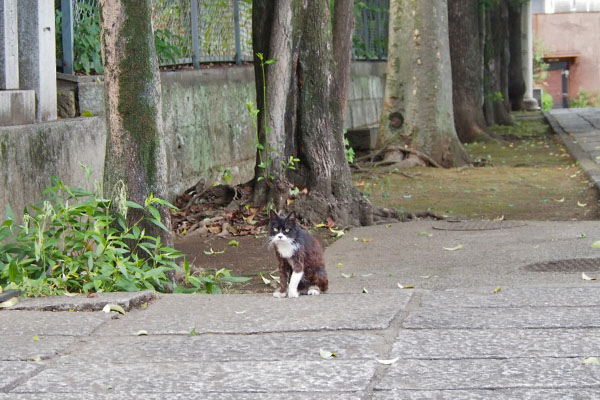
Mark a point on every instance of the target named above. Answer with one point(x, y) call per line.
point(9, 50)
point(37, 54)
point(527, 57)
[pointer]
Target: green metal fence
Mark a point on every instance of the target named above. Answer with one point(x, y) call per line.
point(196, 31)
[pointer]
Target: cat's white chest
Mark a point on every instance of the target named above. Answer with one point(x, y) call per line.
point(286, 249)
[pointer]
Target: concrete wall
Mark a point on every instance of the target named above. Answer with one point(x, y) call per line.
point(573, 34)
point(206, 123)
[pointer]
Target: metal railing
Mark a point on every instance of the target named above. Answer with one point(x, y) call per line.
point(219, 30)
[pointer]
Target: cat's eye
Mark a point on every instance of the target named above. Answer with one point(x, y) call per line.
point(276, 229)
point(287, 230)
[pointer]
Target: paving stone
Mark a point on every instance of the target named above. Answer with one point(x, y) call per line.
point(30, 323)
point(184, 396)
point(179, 314)
point(19, 348)
point(191, 378)
point(496, 343)
point(513, 297)
point(11, 371)
point(575, 393)
point(532, 373)
point(262, 347)
point(498, 318)
point(127, 300)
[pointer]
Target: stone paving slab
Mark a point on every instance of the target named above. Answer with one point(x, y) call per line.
point(192, 378)
point(540, 373)
point(515, 297)
point(499, 318)
point(496, 343)
point(575, 393)
point(261, 347)
point(41, 323)
point(179, 314)
point(127, 300)
point(19, 348)
point(184, 396)
point(11, 371)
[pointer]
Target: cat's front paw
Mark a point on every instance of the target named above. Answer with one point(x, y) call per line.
point(278, 294)
point(293, 294)
point(313, 291)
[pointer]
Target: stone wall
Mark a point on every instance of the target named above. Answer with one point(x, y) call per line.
point(206, 123)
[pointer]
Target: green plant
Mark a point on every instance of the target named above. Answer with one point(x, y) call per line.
point(166, 50)
point(540, 66)
point(349, 150)
point(584, 99)
point(206, 282)
point(75, 241)
point(86, 40)
point(547, 101)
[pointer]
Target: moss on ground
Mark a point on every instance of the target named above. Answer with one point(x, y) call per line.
point(528, 175)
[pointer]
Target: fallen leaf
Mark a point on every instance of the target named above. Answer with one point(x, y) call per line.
point(587, 278)
point(233, 243)
point(113, 307)
point(581, 204)
point(347, 275)
point(583, 235)
point(388, 362)
point(497, 290)
point(388, 225)
point(275, 278)
point(265, 280)
point(193, 332)
point(365, 290)
point(338, 232)
point(591, 361)
point(211, 252)
point(460, 246)
point(142, 333)
point(366, 275)
point(405, 287)
point(36, 359)
point(596, 245)
point(365, 240)
point(425, 234)
point(240, 312)
point(340, 265)
point(36, 338)
point(9, 303)
point(71, 294)
point(326, 354)
point(560, 200)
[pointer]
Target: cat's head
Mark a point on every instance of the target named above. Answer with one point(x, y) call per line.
point(282, 228)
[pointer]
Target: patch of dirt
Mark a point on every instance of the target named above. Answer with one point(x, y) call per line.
point(528, 175)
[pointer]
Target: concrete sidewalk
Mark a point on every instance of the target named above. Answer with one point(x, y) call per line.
point(493, 315)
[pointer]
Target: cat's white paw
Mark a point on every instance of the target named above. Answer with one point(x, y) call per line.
point(313, 291)
point(278, 294)
point(293, 294)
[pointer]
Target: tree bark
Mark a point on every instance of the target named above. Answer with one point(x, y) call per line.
point(417, 109)
point(467, 70)
point(343, 28)
point(496, 103)
point(303, 110)
point(135, 150)
point(516, 80)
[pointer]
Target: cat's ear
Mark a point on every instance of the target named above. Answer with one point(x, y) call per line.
point(292, 216)
point(273, 215)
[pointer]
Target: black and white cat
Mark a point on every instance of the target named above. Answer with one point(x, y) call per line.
point(300, 256)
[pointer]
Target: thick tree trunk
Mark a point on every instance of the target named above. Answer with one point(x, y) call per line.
point(135, 150)
point(417, 109)
point(516, 80)
point(467, 70)
point(304, 112)
point(497, 56)
point(343, 28)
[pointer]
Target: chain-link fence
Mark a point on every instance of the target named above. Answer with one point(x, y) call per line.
point(194, 31)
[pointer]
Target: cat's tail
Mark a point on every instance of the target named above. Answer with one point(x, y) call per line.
point(322, 281)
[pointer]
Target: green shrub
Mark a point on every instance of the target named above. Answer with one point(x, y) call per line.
point(547, 101)
point(75, 241)
point(584, 99)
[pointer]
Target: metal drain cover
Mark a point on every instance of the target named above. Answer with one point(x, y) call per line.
point(571, 265)
point(476, 225)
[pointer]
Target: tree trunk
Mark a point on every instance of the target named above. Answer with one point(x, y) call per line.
point(417, 109)
point(467, 70)
point(343, 28)
point(497, 55)
point(303, 112)
point(516, 81)
point(135, 150)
